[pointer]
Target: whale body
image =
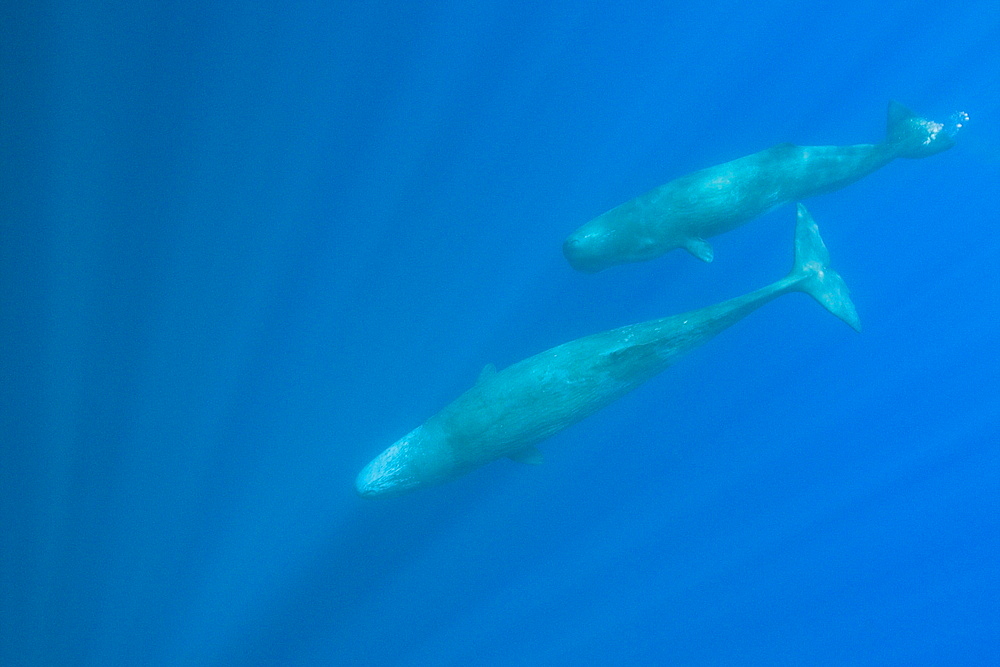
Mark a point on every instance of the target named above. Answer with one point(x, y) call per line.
point(508, 412)
point(687, 210)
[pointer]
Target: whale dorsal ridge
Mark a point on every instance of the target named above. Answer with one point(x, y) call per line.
point(489, 370)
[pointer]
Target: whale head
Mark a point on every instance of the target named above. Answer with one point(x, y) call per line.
point(593, 247)
point(418, 459)
point(612, 239)
point(387, 474)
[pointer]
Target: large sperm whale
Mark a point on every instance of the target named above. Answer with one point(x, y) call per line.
point(508, 412)
point(687, 210)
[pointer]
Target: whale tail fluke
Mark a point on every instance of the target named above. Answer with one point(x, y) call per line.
point(911, 136)
point(813, 274)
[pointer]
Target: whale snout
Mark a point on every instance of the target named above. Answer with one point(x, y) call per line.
point(388, 474)
point(380, 479)
point(583, 254)
point(367, 483)
point(423, 457)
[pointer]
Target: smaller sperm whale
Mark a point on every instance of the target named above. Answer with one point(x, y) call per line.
point(508, 412)
point(687, 210)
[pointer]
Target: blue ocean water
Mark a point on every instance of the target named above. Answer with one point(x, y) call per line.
point(246, 246)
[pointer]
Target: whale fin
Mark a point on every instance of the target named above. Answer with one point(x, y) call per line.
point(814, 275)
point(911, 136)
point(699, 248)
point(489, 370)
point(529, 455)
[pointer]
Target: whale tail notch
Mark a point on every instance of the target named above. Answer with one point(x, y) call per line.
point(911, 136)
point(813, 274)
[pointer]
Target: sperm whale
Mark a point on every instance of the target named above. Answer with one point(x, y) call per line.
point(687, 210)
point(507, 413)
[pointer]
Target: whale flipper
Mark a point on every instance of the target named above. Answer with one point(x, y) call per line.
point(914, 137)
point(817, 279)
point(699, 248)
point(529, 455)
